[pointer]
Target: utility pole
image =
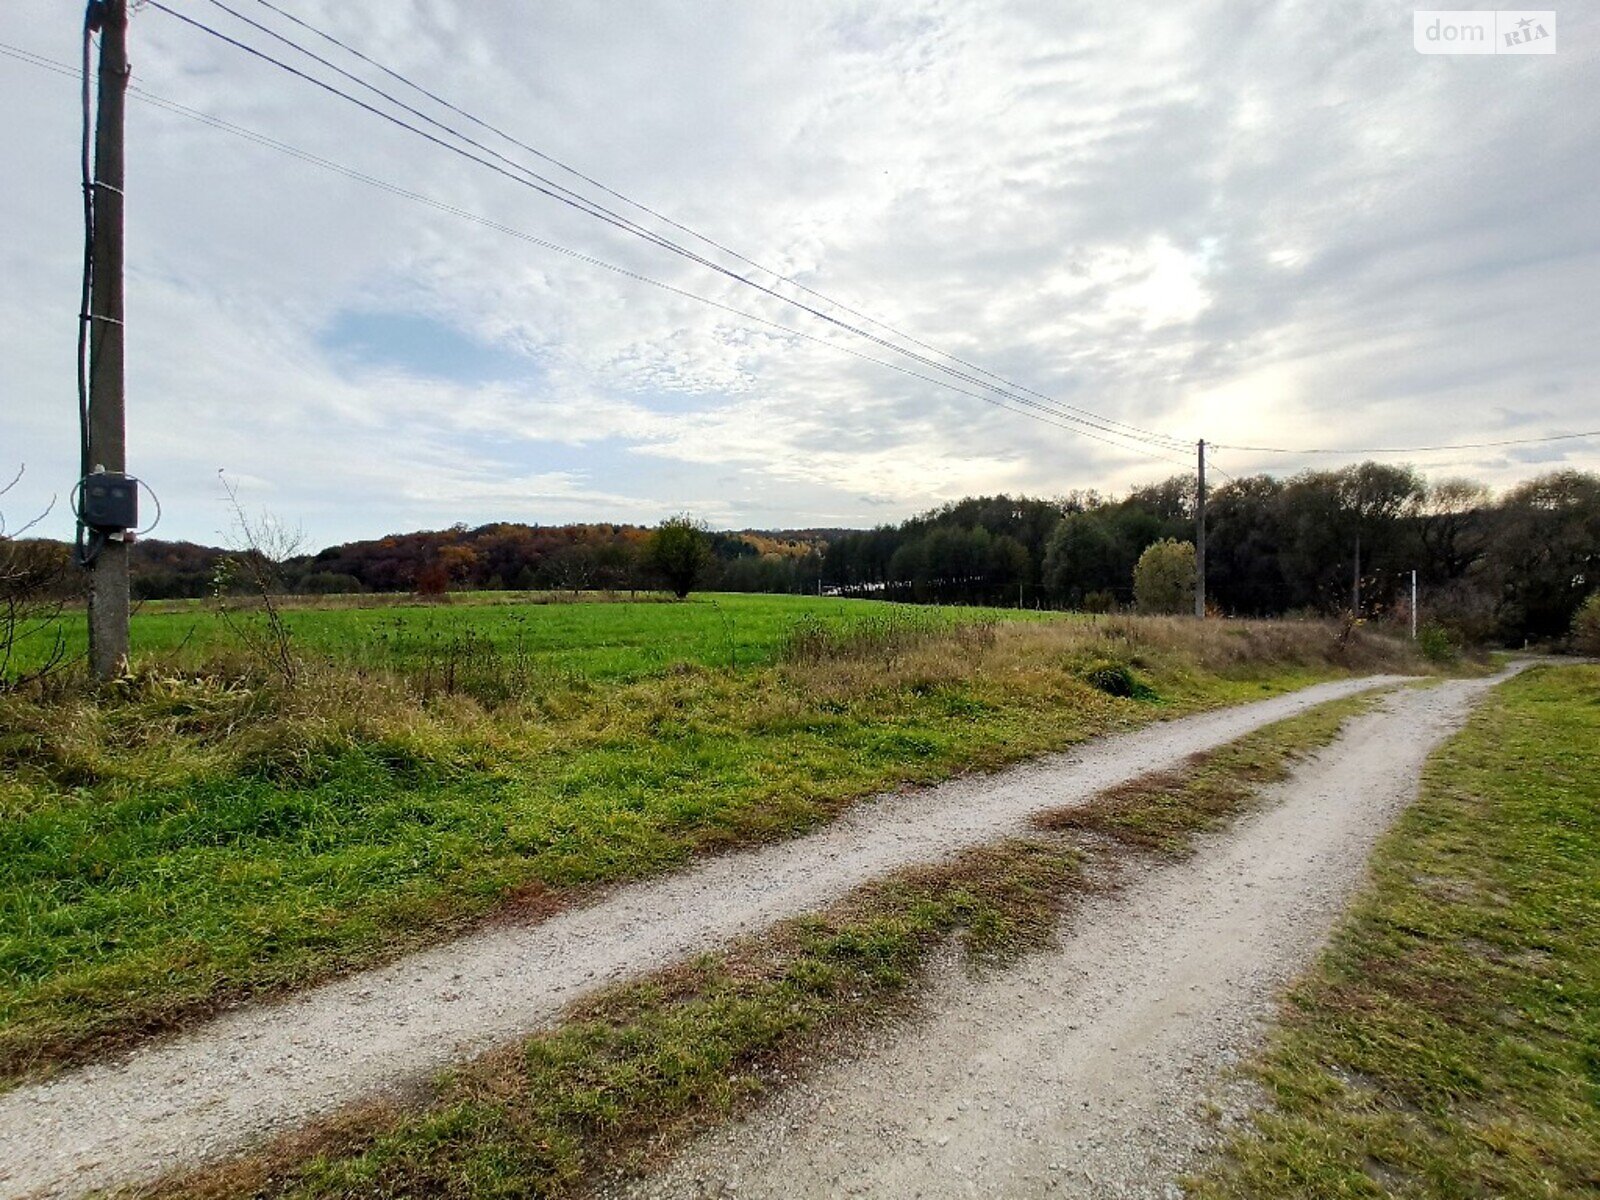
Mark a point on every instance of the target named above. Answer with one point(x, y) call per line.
point(1200, 537)
point(108, 581)
point(1355, 579)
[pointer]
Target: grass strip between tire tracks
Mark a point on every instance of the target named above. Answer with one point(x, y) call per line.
point(629, 1075)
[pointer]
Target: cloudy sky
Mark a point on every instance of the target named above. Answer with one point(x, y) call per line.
point(1256, 222)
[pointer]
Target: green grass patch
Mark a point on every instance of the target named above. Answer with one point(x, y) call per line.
point(1448, 1043)
point(635, 1072)
point(195, 837)
point(548, 640)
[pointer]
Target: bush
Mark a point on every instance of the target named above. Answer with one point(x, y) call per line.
point(1436, 644)
point(1099, 602)
point(1163, 581)
point(1586, 627)
point(1115, 679)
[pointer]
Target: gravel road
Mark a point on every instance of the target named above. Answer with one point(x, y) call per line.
point(261, 1070)
point(1088, 1070)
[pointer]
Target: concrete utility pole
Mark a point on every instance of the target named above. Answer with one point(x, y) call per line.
point(108, 580)
point(1355, 579)
point(1200, 538)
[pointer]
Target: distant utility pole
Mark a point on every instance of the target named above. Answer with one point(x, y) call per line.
point(1200, 538)
point(1355, 579)
point(108, 580)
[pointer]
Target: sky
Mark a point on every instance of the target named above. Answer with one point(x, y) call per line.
point(1260, 223)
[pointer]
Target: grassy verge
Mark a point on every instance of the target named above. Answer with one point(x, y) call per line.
point(194, 838)
point(1448, 1044)
point(635, 1072)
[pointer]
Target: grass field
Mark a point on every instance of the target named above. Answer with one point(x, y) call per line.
point(554, 634)
point(201, 833)
point(1448, 1044)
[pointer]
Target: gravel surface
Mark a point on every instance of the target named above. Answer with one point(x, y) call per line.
point(1098, 1069)
point(264, 1069)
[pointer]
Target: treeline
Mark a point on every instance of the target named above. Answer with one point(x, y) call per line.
point(1502, 568)
point(1508, 568)
point(491, 557)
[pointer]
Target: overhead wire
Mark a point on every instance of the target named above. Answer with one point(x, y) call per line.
point(594, 209)
point(1532, 441)
point(1109, 430)
point(158, 101)
point(87, 177)
point(698, 236)
point(566, 196)
point(86, 542)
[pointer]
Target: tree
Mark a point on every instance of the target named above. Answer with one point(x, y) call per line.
point(1245, 547)
point(679, 551)
point(1586, 627)
point(263, 545)
point(1452, 527)
point(1375, 496)
point(1084, 555)
point(1010, 566)
point(1547, 553)
point(1163, 580)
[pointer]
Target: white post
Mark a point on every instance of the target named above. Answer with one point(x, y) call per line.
point(1413, 604)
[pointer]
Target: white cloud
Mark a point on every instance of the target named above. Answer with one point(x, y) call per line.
point(1271, 223)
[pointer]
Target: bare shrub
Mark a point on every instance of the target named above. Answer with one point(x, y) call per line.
point(468, 664)
point(262, 546)
point(34, 584)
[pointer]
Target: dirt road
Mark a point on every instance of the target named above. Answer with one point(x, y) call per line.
point(265, 1069)
point(1086, 1071)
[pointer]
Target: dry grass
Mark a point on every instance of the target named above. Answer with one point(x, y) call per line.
point(166, 723)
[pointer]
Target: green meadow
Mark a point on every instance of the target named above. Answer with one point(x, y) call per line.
point(590, 636)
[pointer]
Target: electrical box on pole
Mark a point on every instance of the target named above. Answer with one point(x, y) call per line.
point(109, 503)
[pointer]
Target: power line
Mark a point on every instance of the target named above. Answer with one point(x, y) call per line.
point(417, 197)
point(1554, 437)
point(554, 190)
point(612, 217)
point(1109, 422)
point(87, 174)
point(564, 195)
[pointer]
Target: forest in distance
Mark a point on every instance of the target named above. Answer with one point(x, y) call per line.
point(1508, 567)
